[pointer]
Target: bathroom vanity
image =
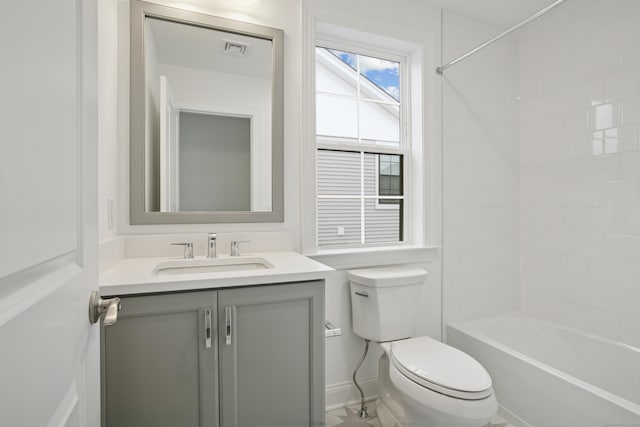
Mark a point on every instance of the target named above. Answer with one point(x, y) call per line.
point(215, 348)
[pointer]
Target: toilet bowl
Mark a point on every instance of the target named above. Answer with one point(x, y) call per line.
point(421, 381)
point(427, 383)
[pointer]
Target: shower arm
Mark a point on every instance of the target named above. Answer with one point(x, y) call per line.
point(533, 17)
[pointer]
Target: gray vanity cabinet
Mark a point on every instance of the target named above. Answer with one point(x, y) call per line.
point(262, 366)
point(272, 356)
point(156, 367)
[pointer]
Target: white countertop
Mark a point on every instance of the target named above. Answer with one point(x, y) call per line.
point(135, 275)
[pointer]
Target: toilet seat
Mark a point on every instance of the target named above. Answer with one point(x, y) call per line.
point(441, 368)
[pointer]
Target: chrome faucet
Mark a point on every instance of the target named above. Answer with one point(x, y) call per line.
point(211, 251)
point(188, 249)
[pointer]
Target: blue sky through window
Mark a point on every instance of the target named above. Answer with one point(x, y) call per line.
point(384, 74)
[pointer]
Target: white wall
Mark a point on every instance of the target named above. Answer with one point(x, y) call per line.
point(580, 79)
point(481, 194)
point(108, 114)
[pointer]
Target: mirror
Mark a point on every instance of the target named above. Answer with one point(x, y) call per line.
point(206, 118)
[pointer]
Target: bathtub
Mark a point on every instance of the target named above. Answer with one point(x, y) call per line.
point(548, 375)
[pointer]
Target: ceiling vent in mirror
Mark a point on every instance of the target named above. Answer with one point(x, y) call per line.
point(236, 48)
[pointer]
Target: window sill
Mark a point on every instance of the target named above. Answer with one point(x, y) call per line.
point(342, 259)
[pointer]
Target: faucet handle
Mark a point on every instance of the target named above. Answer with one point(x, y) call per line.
point(235, 246)
point(188, 249)
point(211, 247)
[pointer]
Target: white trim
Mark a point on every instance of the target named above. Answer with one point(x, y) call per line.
point(356, 148)
point(345, 393)
point(24, 289)
point(404, 143)
point(343, 259)
point(512, 418)
point(363, 219)
point(308, 150)
point(65, 409)
point(357, 196)
point(372, 101)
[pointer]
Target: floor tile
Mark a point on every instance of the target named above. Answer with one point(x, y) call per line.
point(348, 417)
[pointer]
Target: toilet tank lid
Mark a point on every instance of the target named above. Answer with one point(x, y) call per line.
point(381, 277)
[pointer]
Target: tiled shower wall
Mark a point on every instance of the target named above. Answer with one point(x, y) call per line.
point(580, 167)
point(481, 195)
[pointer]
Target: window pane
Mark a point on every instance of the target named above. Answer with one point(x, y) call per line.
point(380, 123)
point(379, 79)
point(390, 177)
point(333, 73)
point(336, 116)
point(383, 221)
point(338, 173)
point(339, 222)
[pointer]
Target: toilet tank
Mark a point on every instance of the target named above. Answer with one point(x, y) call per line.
point(385, 301)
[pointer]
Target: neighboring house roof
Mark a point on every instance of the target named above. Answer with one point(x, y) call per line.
point(349, 75)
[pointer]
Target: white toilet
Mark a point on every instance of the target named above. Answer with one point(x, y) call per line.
point(421, 381)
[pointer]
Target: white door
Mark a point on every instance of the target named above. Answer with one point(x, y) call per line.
point(49, 358)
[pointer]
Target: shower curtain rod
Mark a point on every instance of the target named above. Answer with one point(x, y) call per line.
point(533, 17)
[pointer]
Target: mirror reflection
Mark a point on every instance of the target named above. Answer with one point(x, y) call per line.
point(208, 119)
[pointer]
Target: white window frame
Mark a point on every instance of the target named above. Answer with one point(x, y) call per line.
point(423, 171)
point(403, 149)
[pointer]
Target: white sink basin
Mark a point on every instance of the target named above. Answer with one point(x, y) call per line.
point(210, 265)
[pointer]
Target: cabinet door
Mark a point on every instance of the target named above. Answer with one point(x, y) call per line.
point(272, 355)
point(158, 367)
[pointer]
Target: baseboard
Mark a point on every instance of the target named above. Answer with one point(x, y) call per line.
point(511, 417)
point(342, 394)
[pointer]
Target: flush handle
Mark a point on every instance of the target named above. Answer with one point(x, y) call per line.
point(228, 315)
point(362, 294)
point(207, 328)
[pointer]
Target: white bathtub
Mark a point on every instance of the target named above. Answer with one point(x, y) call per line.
point(547, 375)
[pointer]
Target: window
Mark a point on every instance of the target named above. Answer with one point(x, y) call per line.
point(389, 178)
point(361, 148)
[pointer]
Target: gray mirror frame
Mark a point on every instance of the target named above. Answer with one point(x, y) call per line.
point(138, 215)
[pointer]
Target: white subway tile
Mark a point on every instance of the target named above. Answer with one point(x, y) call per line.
point(622, 193)
point(623, 83)
point(630, 110)
point(622, 246)
point(604, 323)
point(580, 222)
